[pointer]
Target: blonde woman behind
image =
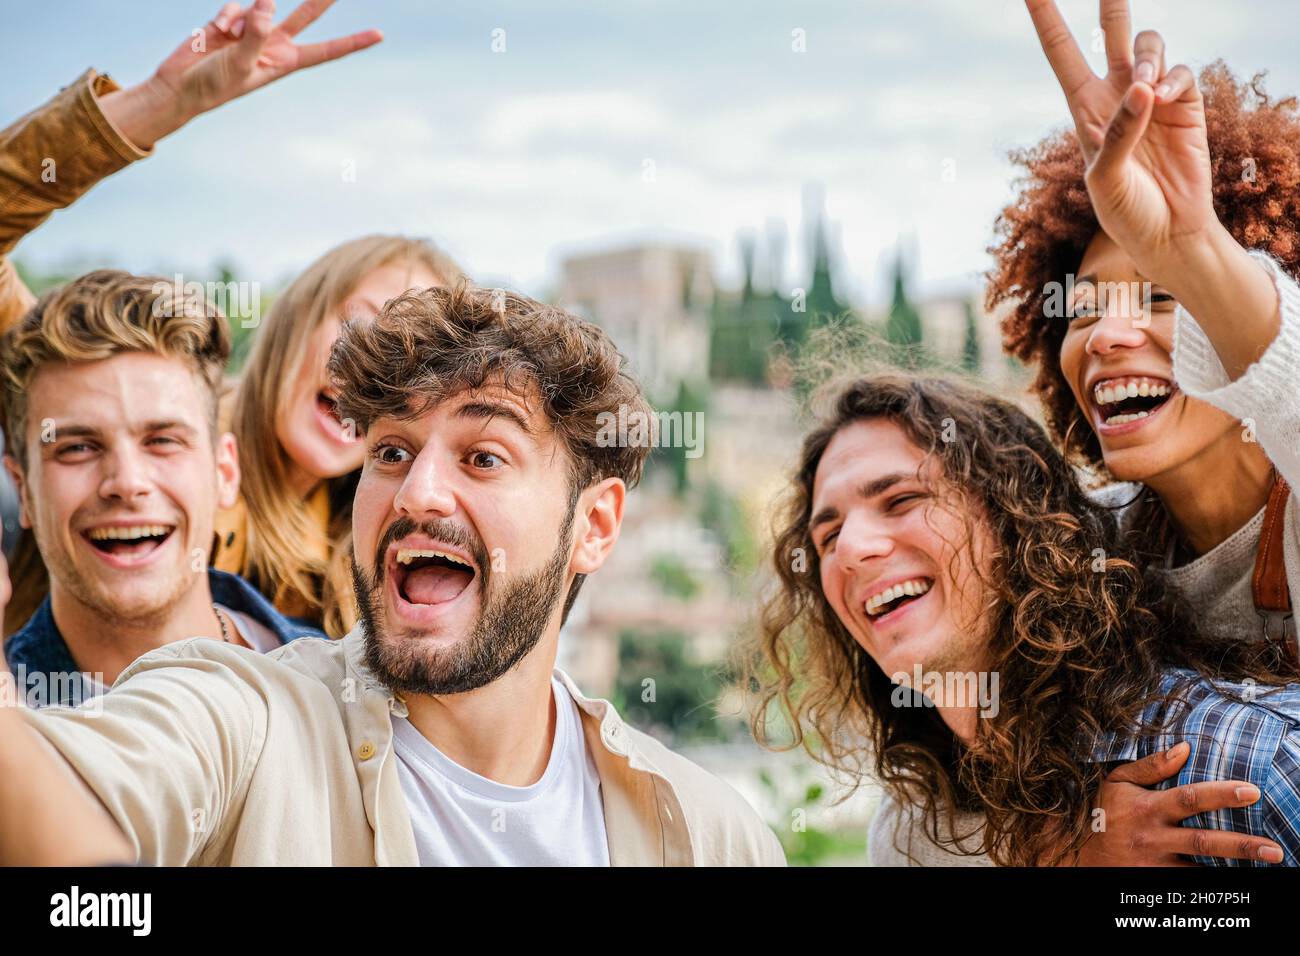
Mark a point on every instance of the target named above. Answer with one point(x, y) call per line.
point(289, 532)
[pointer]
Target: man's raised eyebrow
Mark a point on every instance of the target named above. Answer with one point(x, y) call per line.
point(489, 410)
point(867, 490)
point(75, 431)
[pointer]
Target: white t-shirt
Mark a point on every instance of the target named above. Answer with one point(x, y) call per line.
point(463, 819)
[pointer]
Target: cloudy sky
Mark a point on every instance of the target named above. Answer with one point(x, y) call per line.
point(600, 124)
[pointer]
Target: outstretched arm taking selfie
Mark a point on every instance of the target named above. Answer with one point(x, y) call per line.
point(47, 815)
point(92, 128)
point(146, 773)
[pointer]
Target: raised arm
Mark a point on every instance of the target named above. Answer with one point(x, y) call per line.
point(1143, 134)
point(241, 50)
point(49, 159)
point(91, 129)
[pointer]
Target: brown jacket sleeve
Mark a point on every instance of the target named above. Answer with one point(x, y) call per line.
point(48, 160)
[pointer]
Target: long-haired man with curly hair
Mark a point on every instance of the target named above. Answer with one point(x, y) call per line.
point(956, 618)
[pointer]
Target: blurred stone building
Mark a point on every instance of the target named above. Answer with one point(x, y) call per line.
point(653, 300)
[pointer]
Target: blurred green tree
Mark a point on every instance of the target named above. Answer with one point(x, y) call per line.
point(804, 843)
point(659, 688)
point(903, 328)
point(970, 350)
point(673, 577)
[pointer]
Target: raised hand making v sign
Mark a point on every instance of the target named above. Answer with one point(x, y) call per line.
point(238, 51)
point(1143, 135)
point(81, 131)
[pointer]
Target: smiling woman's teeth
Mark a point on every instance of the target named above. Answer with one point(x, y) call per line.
point(1123, 400)
point(913, 588)
point(1107, 393)
point(1121, 419)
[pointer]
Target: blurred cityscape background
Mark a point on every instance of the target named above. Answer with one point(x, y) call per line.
point(712, 184)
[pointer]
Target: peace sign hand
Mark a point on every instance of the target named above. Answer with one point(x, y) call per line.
point(243, 50)
point(238, 51)
point(1092, 99)
point(1143, 135)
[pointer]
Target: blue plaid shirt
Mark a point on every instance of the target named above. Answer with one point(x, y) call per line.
point(1255, 738)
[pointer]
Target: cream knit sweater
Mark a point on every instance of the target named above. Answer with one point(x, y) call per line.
point(1266, 398)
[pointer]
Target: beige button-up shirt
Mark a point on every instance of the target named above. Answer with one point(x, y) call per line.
point(208, 754)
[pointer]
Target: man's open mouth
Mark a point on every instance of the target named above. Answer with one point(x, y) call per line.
point(129, 541)
point(428, 576)
point(1129, 399)
point(896, 597)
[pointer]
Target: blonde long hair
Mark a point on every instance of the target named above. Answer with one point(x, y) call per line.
point(278, 521)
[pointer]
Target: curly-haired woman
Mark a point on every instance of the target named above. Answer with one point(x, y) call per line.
point(1187, 388)
point(957, 618)
point(1183, 389)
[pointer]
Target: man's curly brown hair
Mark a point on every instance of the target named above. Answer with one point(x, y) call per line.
point(1041, 236)
point(428, 344)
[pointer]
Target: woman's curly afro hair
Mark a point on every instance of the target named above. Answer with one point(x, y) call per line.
point(1041, 236)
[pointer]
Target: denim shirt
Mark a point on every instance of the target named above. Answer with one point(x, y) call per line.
point(38, 654)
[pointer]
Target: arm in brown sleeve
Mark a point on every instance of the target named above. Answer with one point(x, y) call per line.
point(48, 160)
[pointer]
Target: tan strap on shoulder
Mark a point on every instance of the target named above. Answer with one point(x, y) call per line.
point(1269, 585)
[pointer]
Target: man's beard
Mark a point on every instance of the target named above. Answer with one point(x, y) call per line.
point(511, 620)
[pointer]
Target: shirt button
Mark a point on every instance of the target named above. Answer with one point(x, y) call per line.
point(366, 750)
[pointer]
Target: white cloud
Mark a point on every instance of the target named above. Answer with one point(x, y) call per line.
point(605, 114)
